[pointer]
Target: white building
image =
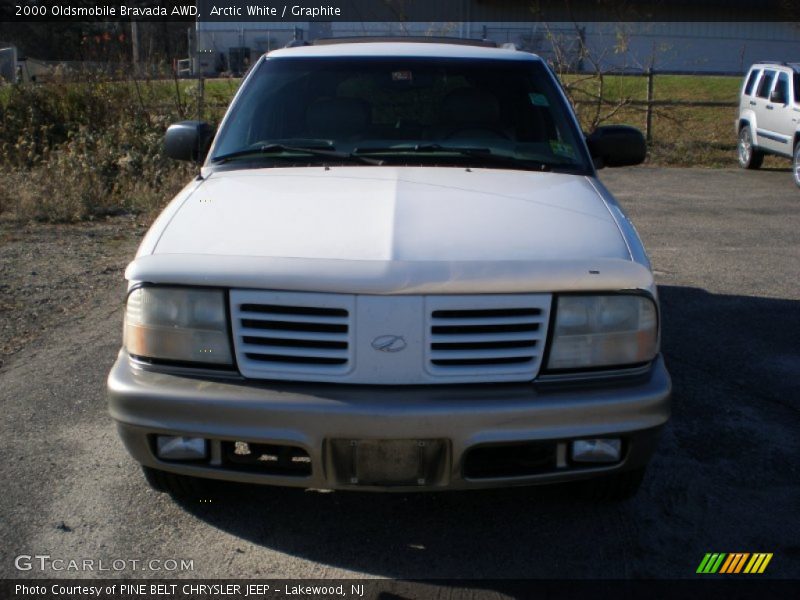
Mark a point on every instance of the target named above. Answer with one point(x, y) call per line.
point(692, 47)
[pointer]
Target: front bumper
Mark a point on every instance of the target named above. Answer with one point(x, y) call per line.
point(311, 416)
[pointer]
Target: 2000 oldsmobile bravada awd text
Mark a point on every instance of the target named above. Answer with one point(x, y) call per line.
point(396, 270)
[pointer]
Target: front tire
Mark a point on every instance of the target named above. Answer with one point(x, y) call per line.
point(749, 156)
point(177, 486)
point(796, 164)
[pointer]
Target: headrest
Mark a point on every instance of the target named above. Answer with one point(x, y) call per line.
point(331, 117)
point(469, 105)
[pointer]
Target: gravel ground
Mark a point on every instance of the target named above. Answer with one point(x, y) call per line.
point(53, 274)
point(726, 478)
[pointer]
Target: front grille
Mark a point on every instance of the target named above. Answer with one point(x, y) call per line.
point(486, 334)
point(300, 336)
point(292, 334)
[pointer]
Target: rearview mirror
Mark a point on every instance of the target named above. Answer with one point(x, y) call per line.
point(616, 146)
point(188, 140)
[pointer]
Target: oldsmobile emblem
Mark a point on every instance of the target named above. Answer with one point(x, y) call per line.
point(389, 343)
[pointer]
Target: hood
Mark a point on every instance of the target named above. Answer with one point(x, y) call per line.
point(394, 214)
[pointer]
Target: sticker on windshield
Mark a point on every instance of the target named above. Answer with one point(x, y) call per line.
point(538, 99)
point(562, 149)
point(402, 76)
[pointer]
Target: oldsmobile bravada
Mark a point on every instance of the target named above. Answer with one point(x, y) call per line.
point(396, 270)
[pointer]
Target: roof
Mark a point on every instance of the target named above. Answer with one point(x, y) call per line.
point(779, 63)
point(410, 49)
point(417, 39)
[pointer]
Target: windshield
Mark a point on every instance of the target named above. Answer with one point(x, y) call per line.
point(402, 111)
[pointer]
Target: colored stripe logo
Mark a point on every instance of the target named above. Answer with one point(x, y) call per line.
point(733, 563)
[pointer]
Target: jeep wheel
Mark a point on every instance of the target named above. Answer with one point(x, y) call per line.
point(177, 486)
point(614, 488)
point(796, 164)
point(749, 156)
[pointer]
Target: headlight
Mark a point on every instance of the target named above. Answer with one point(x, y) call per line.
point(602, 331)
point(180, 324)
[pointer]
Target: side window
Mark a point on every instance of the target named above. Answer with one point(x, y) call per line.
point(782, 87)
point(766, 84)
point(796, 81)
point(751, 82)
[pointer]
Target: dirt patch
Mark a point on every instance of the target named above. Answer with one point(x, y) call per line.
point(50, 273)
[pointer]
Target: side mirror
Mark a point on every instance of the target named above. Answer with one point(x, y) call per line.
point(188, 140)
point(777, 96)
point(616, 146)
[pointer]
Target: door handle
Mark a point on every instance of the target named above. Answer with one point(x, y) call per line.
point(769, 107)
point(752, 103)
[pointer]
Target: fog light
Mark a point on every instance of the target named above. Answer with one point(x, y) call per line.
point(172, 447)
point(603, 450)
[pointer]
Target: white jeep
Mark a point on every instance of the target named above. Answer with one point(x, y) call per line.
point(396, 270)
point(769, 115)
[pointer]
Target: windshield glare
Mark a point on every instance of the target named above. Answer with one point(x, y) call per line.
point(396, 107)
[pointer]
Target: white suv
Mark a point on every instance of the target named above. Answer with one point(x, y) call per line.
point(396, 270)
point(769, 115)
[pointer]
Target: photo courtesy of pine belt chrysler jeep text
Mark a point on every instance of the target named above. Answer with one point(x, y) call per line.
point(396, 270)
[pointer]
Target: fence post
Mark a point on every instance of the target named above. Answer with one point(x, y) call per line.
point(582, 52)
point(648, 127)
point(201, 96)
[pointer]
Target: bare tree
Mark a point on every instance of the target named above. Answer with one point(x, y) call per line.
point(585, 87)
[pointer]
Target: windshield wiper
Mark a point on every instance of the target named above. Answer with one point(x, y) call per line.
point(268, 149)
point(423, 148)
point(480, 153)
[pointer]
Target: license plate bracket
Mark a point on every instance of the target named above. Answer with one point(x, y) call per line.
point(387, 463)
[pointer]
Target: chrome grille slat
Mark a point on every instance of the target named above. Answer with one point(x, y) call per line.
point(529, 352)
point(479, 329)
point(296, 361)
point(288, 351)
point(294, 318)
point(294, 335)
point(466, 313)
point(308, 311)
point(286, 343)
point(437, 338)
point(465, 364)
point(450, 321)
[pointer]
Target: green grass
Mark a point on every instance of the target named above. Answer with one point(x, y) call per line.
point(707, 88)
point(698, 88)
point(221, 90)
point(681, 135)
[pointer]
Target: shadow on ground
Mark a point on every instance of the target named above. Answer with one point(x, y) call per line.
point(723, 459)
